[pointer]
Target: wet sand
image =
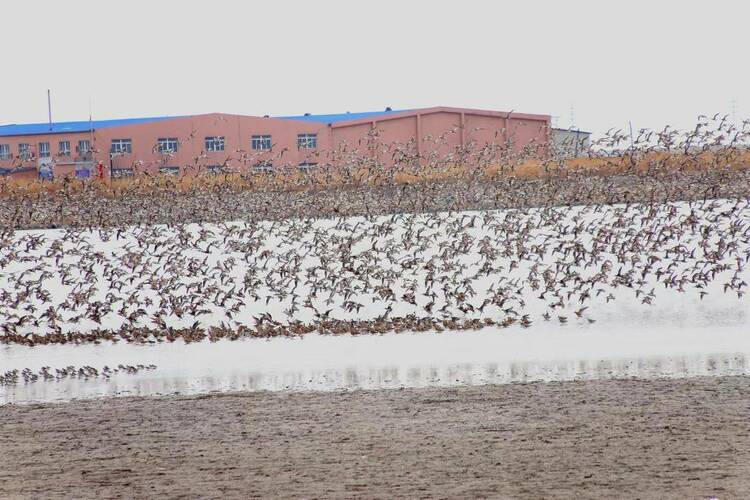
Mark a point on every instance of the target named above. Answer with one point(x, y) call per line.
point(683, 438)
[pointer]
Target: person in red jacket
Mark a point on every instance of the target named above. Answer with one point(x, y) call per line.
point(100, 170)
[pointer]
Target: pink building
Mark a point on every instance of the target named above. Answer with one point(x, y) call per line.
point(192, 144)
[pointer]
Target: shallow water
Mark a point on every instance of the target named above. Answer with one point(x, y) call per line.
point(677, 335)
point(318, 362)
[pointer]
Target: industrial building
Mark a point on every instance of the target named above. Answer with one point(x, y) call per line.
point(217, 141)
point(570, 142)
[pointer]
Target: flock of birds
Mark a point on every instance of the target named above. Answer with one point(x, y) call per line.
point(28, 376)
point(353, 275)
point(151, 265)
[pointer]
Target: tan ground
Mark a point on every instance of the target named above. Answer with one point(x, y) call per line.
point(604, 439)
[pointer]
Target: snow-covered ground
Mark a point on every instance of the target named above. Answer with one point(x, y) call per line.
point(626, 286)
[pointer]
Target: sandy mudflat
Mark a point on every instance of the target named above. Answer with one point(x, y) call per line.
point(686, 438)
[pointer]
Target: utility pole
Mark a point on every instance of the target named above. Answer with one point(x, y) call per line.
point(49, 109)
point(90, 154)
point(630, 125)
point(91, 130)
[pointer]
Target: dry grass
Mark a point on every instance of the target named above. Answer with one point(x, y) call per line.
point(324, 177)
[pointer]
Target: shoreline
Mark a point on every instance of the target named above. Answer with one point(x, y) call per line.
point(667, 438)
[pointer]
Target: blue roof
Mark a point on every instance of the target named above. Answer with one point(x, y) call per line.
point(339, 117)
point(85, 126)
point(71, 127)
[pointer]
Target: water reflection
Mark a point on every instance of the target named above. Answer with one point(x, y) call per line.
point(349, 378)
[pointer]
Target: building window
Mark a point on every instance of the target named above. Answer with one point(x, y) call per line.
point(44, 150)
point(168, 145)
point(121, 146)
point(23, 151)
point(263, 166)
point(307, 165)
point(169, 170)
point(215, 143)
point(261, 142)
point(5, 152)
point(63, 148)
point(84, 146)
point(307, 141)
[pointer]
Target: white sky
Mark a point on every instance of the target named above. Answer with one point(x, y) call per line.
point(652, 62)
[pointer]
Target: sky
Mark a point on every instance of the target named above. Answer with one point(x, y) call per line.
point(592, 64)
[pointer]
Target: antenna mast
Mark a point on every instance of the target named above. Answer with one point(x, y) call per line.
point(572, 117)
